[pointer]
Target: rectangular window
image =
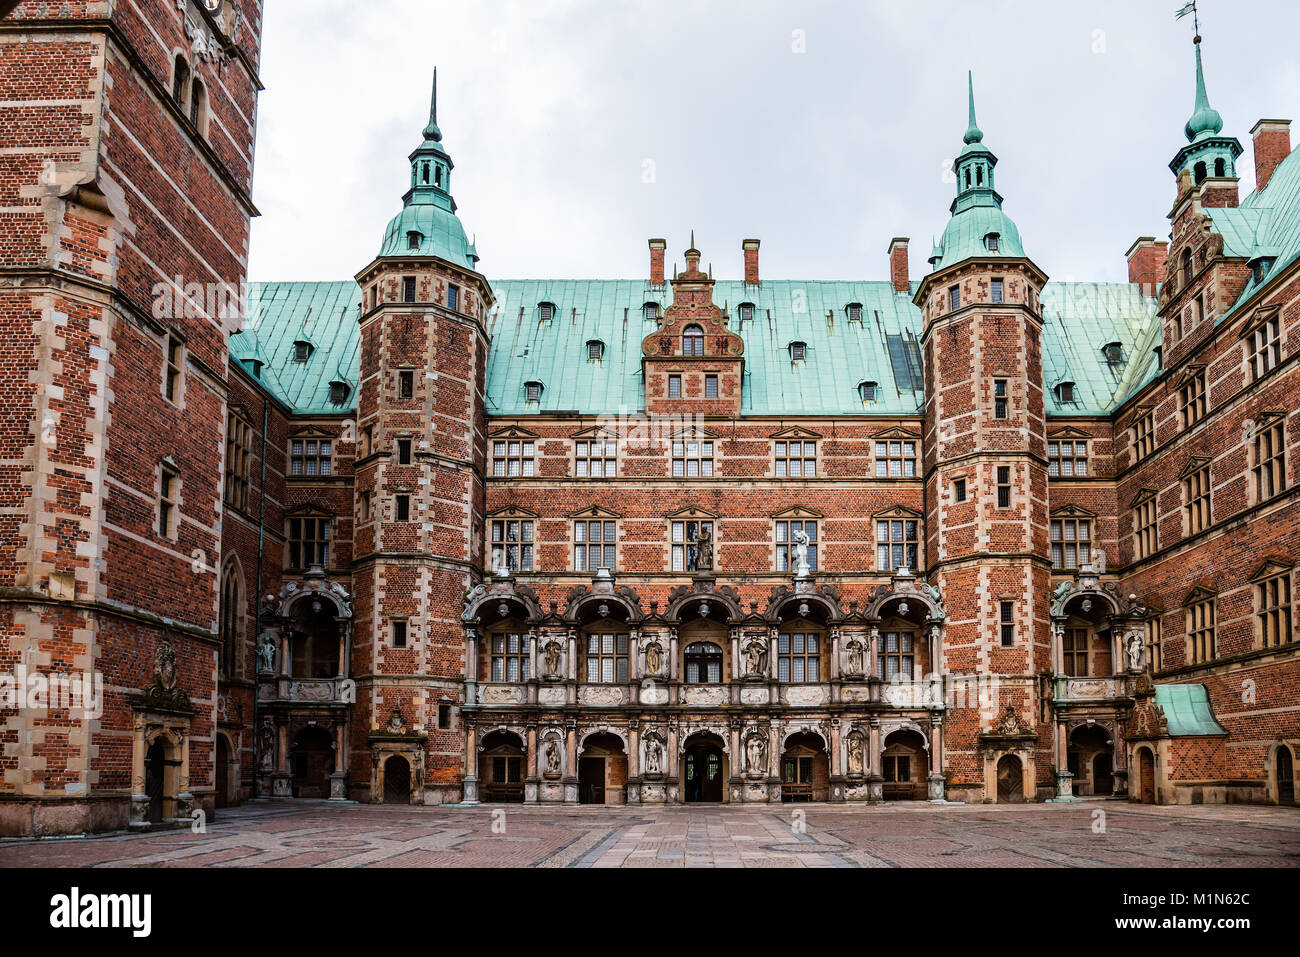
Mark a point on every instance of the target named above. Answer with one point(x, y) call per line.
point(408, 289)
point(406, 384)
point(594, 545)
point(798, 658)
point(1270, 460)
point(1266, 348)
point(168, 491)
point(1144, 524)
point(1200, 631)
point(509, 657)
point(710, 387)
point(954, 297)
point(403, 451)
point(399, 633)
point(1071, 543)
point(674, 387)
point(453, 298)
point(309, 542)
point(403, 508)
point(1007, 623)
point(997, 290)
point(1153, 645)
point(173, 369)
point(1196, 496)
point(897, 543)
point(1004, 486)
point(365, 506)
point(607, 658)
point(1067, 459)
point(896, 459)
point(512, 545)
point(896, 659)
point(239, 461)
point(1074, 652)
point(959, 490)
point(795, 459)
point(1273, 601)
point(367, 440)
point(444, 717)
point(311, 457)
point(513, 458)
point(595, 458)
point(999, 398)
point(692, 459)
point(685, 550)
point(1144, 435)
point(1193, 399)
point(785, 533)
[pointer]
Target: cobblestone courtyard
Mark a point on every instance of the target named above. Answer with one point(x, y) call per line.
point(320, 834)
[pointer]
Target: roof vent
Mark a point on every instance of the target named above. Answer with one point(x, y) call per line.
point(854, 311)
point(798, 351)
point(545, 311)
point(595, 350)
point(1065, 393)
point(1114, 353)
point(302, 350)
point(339, 392)
point(867, 391)
point(533, 391)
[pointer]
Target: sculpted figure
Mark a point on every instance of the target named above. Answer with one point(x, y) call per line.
point(801, 541)
point(1136, 653)
point(755, 750)
point(553, 658)
point(652, 756)
point(552, 757)
point(756, 659)
point(704, 550)
point(855, 662)
point(653, 659)
point(266, 653)
point(855, 754)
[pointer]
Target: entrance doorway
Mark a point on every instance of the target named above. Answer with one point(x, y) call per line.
point(602, 770)
point(503, 769)
point(223, 772)
point(1103, 776)
point(1285, 776)
point(312, 761)
point(903, 765)
point(805, 769)
point(702, 773)
point(155, 777)
point(1011, 780)
point(397, 780)
point(1146, 776)
point(591, 780)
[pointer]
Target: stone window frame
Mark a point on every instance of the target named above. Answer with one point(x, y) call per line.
point(1074, 650)
point(1001, 471)
point(232, 623)
point(692, 341)
point(711, 385)
point(582, 525)
point(610, 643)
point(1193, 398)
point(1083, 525)
point(1006, 623)
point(399, 500)
point(897, 646)
point(1146, 525)
point(167, 491)
point(592, 448)
point(703, 458)
point(1001, 399)
point(1197, 493)
point(796, 635)
point(1201, 626)
point(782, 530)
point(681, 543)
point(405, 387)
point(1268, 458)
point(507, 646)
point(318, 545)
point(782, 459)
point(910, 545)
point(453, 297)
point(410, 289)
point(674, 386)
point(902, 458)
point(519, 553)
point(1264, 341)
point(175, 360)
point(510, 450)
point(1153, 641)
point(237, 490)
point(1058, 459)
point(1144, 434)
point(1273, 604)
point(399, 625)
point(299, 455)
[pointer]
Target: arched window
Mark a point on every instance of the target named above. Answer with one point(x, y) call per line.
point(198, 100)
point(703, 663)
point(692, 341)
point(232, 612)
point(1220, 168)
point(180, 80)
point(1199, 173)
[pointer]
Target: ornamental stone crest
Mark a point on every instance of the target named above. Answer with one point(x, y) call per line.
point(163, 694)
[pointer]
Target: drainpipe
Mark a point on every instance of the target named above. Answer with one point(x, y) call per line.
point(257, 628)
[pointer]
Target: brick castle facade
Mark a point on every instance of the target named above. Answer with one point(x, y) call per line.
point(428, 537)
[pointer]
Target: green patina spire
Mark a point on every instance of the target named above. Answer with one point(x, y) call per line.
point(431, 132)
point(973, 133)
point(1205, 120)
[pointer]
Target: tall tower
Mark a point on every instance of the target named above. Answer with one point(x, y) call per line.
point(419, 482)
point(986, 480)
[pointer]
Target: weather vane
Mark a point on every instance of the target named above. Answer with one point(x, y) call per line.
point(1196, 17)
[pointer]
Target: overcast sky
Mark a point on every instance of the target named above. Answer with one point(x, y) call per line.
point(581, 128)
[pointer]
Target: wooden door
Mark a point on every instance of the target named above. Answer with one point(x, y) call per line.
point(1103, 778)
point(1285, 776)
point(591, 780)
point(397, 781)
point(1146, 777)
point(1011, 781)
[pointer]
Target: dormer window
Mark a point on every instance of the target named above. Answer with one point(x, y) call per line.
point(301, 350)
point(651, 310)
point(991, 242)
point(595, 350)
point(545, 311)
point(339, 392)
point(798, 351)
point(746, 311)
point(693, 341)
point(868, 390)
point(1065, 393)
point(255, 367)
point(413, 239)
point(533, 391)
point(1259, 269)
point(854, 310)
point(1114, 352)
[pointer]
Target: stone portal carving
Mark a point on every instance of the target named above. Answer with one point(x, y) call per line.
point(164, 694)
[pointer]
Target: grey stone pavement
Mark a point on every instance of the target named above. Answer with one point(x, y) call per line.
point(324, 834)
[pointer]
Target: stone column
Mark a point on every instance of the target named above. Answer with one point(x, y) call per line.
point(674, 668)
point(530, 778)
point(735, 654)
point(936, 789)
point(471, 666)
point(571, 757)
point(773, 764)
point(875, 762)
point(673, 757)
point(1064, 779)
point(471, 763)
point(633, 763)
point(835, 655)
point(837, 764)
point(184, 799)
point(571, 667)
point(1119, 761)
point(532, 655)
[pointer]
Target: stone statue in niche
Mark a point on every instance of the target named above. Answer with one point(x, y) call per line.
point(755, 750)
point(552, 659)
point(1136, 651)
point(266, 654)
point(652, 756)
point(704, 550)
point(855, 754)
point(756, 659)
point(801, 542)
point(653, 658)
point(268, 745)
point(397, 722)
point(856, 662)
point(552, 758)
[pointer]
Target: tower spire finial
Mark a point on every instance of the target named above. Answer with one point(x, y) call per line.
point(973, 133)
point(1205, 119)
point(431, 132)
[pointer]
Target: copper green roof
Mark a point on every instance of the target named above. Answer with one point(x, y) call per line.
point(841, 355)
point(1187, 710)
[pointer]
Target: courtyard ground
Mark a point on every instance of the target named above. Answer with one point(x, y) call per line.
point(324, 834)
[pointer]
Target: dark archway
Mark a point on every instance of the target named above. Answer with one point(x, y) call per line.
point(1285, 776)
point(805, 768)
point(703, 770)
point(1090, 758)
point(397, 780)
point(1011, 780)
point(602, 770)
point(904, 766)
point(223, 772)
point(314, 640)
point(503, 767)
point(155, 780)
point(311, 760)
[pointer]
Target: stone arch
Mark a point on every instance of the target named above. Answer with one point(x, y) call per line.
point(813, 604)
point(679, 607)
point(586, 734)
point(704, 734)
point(587, 608)
point(1281, 758)
point(520, 601)
point(887, 601)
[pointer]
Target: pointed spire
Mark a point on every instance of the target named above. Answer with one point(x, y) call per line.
point(1205, 119)
point(431, 132)
point(973, 133)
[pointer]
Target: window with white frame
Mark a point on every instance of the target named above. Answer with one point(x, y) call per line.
point(311, 457)
point(896, 458)
point(1200, 631)
point(607, 657)
point(512, 544)
point(1144, 434)
point(1273, 610)
point(594, 544)
point(1071, 542)
point(795, 458)
point(798, 657)
point(1265, 346)
point(897, 543)
point(596, 458)
point(1193, 400)
point(1269, 455)
point(513, 458)
point(1145, 538)
point(786, 530)
point(509, 656)
point(1196, 499)
point(309, 541)
point(1067, 458)
point(692, 458)
point(685, 544)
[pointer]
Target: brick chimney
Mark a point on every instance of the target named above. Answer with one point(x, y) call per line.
point(750, 246)
point(657, 247)
point(898, 264)
point(1146, 263)
point(1272, 140)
